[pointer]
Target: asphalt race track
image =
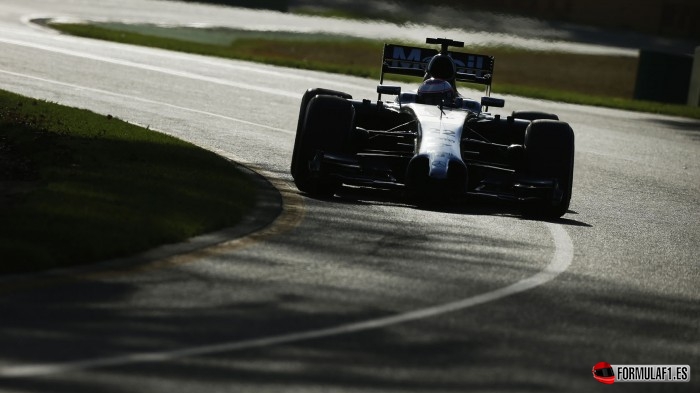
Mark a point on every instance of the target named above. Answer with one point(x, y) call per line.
point(363, 293)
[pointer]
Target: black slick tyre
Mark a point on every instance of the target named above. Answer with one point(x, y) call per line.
point(549, 155)
point(326, 127)
point(308, 95)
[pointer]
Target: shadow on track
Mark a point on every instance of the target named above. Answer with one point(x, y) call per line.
point(688, 127)
point(515, 342)
point(467, 205)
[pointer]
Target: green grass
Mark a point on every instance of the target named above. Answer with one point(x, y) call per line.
point(598, 80)
point(349, 14)
point(78, 187)
point(601, 101)
point(329, 53)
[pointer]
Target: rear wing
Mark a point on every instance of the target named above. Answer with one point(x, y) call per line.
point(413, 61)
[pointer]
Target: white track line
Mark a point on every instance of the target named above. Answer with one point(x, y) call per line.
point(562, 258)
point(134, 98)
point(233, 64)
point(148, 67)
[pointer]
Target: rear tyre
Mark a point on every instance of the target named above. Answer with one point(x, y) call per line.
point(549, 155)
point(326, 128)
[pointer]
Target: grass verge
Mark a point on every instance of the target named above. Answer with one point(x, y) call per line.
point(78, 187)
point(597, 80)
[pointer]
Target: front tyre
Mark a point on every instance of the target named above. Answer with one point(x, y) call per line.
point(549, 156)
point(326, 127)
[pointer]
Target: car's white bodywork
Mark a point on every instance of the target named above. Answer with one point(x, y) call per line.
point(440, 134)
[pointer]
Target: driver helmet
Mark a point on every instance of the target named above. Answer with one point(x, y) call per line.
point(435, 91)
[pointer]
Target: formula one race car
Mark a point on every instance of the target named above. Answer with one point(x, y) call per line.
point(434, 143)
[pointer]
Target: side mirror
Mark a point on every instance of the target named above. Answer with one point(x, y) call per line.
point(391, 90)
point(495, 102)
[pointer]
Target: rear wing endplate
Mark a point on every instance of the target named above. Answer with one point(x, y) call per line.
point(413, 61)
